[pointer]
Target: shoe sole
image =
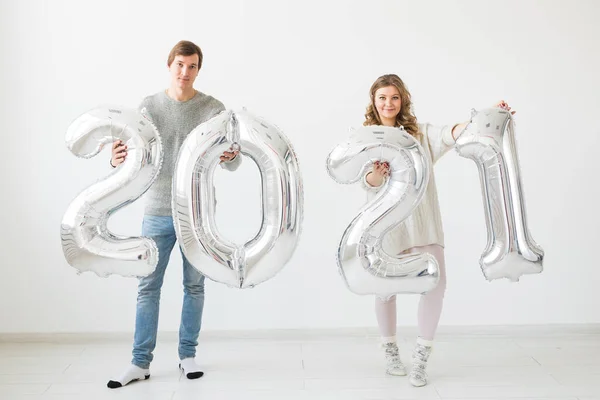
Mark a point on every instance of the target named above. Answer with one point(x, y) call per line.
point(398, 373)
point(417, 384)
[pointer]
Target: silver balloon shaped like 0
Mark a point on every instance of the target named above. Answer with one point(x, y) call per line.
point(489, 140)
point(87, 243)
point(259, 259)
point(365, 267)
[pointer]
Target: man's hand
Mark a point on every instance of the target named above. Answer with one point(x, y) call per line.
point(119, 152)
point(229, 155)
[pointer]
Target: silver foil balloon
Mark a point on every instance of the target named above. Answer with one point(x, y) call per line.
point(362, 262)
point(247, 265)
point(489, 140)
point(87, 243)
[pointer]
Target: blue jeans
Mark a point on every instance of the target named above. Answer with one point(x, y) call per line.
point(162, 230)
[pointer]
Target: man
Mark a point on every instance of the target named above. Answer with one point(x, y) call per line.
point(175, 112)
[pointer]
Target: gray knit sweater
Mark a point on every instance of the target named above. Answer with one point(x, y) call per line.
point(174, 121)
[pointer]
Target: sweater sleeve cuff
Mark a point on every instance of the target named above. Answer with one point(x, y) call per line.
point(447, 136)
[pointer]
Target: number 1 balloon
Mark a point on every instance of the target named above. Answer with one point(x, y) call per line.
point(489, 140)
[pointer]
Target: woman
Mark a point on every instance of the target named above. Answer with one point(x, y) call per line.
point(422, 231)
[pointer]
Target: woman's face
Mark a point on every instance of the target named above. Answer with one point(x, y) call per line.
point(388, 103)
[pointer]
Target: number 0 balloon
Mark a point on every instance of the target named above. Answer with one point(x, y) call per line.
point(194, 200)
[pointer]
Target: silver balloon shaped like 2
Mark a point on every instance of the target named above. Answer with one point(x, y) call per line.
point(87, 243)
point(365, 267)
point(489, 140)
point(247, 265)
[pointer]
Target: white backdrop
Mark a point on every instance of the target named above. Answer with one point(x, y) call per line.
point(307, 67)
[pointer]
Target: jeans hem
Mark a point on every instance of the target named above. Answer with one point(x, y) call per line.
point(140, 365)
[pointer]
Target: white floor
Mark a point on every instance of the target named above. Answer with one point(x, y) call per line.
point(532, 363)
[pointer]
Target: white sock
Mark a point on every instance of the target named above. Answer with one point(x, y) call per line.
point(132, 373)
point(424, 342)
point(388, 339)
point(190, 368)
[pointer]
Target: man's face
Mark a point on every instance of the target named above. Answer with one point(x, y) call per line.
point(184, 70)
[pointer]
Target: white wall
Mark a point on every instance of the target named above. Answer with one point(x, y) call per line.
point(307, 67)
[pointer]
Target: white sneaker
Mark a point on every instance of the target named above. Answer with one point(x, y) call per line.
point(420, 356)
point(394, 365)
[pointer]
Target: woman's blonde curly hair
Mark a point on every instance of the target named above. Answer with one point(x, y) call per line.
point(405, 117)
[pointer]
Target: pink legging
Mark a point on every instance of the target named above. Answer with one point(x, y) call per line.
point(430, 306)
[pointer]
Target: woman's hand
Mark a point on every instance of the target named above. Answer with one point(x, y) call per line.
point(378, 173)
point(504, 105)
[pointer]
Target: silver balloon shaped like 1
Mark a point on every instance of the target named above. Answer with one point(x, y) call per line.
point(489, 140)
point(365, 267)
point(87, 243)
point(247, 265)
